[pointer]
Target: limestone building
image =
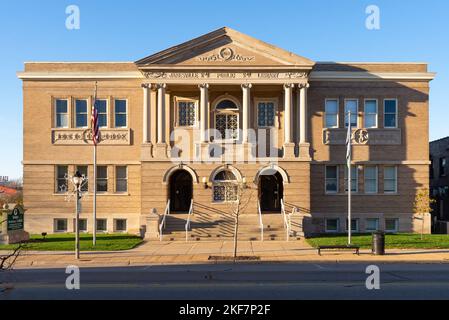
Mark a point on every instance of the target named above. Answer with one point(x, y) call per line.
point(192, 127)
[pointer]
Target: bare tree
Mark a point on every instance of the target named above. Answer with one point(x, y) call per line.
point(8, 260)
point(422, 206)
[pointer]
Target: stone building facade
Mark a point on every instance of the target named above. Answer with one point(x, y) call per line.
point(439, 183)
point(194, 123)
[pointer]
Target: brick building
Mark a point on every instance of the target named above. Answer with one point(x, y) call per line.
point(439, 182)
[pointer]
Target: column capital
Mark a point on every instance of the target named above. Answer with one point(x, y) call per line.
point(289, 86)
point(161, 86)
point(247, 85)
point(305, 85)
point(203, 86)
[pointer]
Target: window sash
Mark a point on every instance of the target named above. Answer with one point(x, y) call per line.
point(227, 124)
point(331, 179)
point(61, 181)
point(354, 179)
point(390, 113)
point(371, 113)
point(102, 112)
point(372, 225)
point(186, 113)
point(60, 225)
point(354, 225)
point(102, 225)
point(388, 223)
point(371, 178)
point(331, 113)
point(121, 113)
point(62, 113)
point(120, 225)
point(265, 114)
point(121, 183)
point(332, 225)
point(351, 105)
point(81, 113)
point(102, 179)
point(85, 172)
point(225, 192)
point(390, 179)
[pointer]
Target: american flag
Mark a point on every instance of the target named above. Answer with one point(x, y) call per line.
point(94, 119)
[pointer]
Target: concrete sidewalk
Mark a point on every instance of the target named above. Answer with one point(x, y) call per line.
point(165, 253)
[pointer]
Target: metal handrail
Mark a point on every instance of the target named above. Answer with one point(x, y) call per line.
point(187, 227)
point(286, 220)
point(260, 221)
point(163, 223)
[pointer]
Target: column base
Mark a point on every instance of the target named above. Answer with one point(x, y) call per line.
point(146, 151)
point(161, 151)
point(289, 151)
point(304, 151)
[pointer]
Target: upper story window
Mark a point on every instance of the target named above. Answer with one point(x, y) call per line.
point(390, 179)
point(371, 113)
point(186, 113)
point(102, 179)
point(121, 179)
point(102, 111)
point(81, 113)
point(225, 187)
point(371, 185)
point(61, 178)
point(331, 179)
point(390, 113)
point(62, 113)
point(227, 120)
point(265, 114)
point(121, 113)
point(443, 163)
point(351, 105)
point(331, 117)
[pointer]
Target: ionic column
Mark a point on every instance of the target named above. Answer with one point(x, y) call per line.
point(303, 112)
point(246, 105)
point(146, 113)
point(161, 113)
point(288, 113)
point(204, 100)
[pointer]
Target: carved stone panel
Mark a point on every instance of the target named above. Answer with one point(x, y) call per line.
point(373, 137)
point(72, 137)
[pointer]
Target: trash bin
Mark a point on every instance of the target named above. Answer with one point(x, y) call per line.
point(378, 243)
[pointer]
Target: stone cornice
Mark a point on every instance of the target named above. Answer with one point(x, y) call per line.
point(370, 76)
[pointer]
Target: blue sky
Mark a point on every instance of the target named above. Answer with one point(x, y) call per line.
point(322, 30)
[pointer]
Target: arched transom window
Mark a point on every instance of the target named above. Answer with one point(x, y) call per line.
point(227, 119)
point(225, 186)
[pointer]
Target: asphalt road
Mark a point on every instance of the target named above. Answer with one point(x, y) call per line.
point(233, 282)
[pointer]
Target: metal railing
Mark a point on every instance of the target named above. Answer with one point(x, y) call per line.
point(260, 221)
point(163, 223)
point(187, 227)
point(286, 220)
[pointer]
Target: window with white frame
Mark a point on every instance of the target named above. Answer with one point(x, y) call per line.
point(390, 113)
point(332, 225)
point(354, 225)
point(227, 120)
point(354, 178)
point(61, 179)
point(60, 225)
point(120, 225)
point(331, 117)
point(351, 105)
point(84, 172)
point(371, 179)
point(372, 225)
point(62, 113)
point(390, 179)
point(102, 225)
point(392, 225)
point(371, 113)
point(266, 114)
point(331, 179)
point(81, 113)
point(82, 223)
point(186, 113)
point(102, 111)
point(121, 113)
point(102, 178)
point(225, 187)
point(121, 179)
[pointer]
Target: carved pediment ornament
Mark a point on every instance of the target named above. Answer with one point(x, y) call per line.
point(226, 54)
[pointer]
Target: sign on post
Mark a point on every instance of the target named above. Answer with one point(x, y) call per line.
point(16, 219)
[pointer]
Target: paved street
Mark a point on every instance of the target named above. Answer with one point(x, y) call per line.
point(242, 281)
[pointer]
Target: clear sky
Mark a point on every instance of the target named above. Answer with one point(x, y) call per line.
point(321, 30)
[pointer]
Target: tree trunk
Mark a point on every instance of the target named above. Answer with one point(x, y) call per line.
point(236, 230)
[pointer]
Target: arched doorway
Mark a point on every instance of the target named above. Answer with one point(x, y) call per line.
point(181, 191)
point(271, 192)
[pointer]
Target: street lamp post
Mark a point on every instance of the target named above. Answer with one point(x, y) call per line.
point(78, 181)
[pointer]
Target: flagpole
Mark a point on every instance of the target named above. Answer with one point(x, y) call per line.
point(94, 228)
point(349, 160)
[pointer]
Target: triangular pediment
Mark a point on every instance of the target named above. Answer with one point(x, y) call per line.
point(225, 47)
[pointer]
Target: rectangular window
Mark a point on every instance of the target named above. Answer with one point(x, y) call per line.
point(121, 179)
point(225, 193)
point(332, 225)
point(81, 113)
point(102, 111)
point(120, 225)
point(331, 179)
point(351, 105)
point(392, 225)
point(372, 225)
point(61, 179)
point(186, 113)
point(443, 163)
point(354, 225)
point(265, 114)
point(102, 179)
point(354, 179)
point(82, 223)
point(227, 125)
point(371, 113)
point(102, 225)
point(390, 113)
point(331, 113)
point(121, 107)
point(62, 113)
point(60, 225)
point(371, 179)
point(84, 172)
point(390, 179)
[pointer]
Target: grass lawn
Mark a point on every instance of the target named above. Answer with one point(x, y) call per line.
point(66, 242)
point(393, 241)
